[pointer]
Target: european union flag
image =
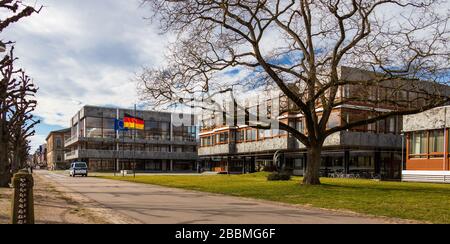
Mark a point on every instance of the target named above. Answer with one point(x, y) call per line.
point(119, 125)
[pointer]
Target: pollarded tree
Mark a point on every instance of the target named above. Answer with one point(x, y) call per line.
point(17, 102)
point(13, 100)
point(300, 46)
point(21, 122)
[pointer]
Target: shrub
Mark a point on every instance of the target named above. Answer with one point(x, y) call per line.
point(276, 176)
point(269, 168)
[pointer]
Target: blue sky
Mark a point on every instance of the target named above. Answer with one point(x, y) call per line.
point(84, 52)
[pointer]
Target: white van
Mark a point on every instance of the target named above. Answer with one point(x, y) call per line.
point(78, 168)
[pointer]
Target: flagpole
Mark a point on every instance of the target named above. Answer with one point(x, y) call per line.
point(134, 144)
point(123, 153)
point(117, 141)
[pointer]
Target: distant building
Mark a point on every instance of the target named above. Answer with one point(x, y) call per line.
point(55, 149)
point(427, 146)
point(162, 146)
point(40, 156)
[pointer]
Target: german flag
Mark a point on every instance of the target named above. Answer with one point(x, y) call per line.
point(131, 122)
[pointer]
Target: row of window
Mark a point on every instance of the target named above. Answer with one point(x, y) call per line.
point(425, 144)
point(392, 125)
point(376, 95)
point(384, 95)
point(138, 147)
point(242, 135)
point(154, 130)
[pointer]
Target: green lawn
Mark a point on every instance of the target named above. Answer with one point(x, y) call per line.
point(415, 201)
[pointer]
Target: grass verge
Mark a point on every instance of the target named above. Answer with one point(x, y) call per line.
point(415, 201)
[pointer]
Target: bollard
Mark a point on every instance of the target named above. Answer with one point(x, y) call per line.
point(22, 211)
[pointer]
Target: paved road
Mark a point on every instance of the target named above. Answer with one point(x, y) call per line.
point(162, 205)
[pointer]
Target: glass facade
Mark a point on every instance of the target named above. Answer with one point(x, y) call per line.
point(94, 127)
point(102, 148)
point(154, 130)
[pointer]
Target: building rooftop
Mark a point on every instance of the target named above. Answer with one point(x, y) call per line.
point(57, 131)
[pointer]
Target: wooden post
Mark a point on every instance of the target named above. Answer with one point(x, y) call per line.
point(22, 211)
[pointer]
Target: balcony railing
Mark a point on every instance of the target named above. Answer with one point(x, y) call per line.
point(71, 140)
point(71, 155)
point(165, 139)
point(113, 154)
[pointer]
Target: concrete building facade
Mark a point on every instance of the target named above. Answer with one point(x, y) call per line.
point(164, 145)
point(373, 150)
point(427, 146)
point(56, 150)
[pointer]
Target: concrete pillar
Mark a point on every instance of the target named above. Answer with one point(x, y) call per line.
point(378, 163)
point(346, 161)
point(164, 165)
point(252, 164)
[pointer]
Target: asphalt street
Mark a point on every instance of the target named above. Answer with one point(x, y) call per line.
point(162, 205)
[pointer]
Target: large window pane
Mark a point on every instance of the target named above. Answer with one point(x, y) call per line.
point(251, 134)
point(418, 143)
point(223, 138)
point(152, 131)
point(108, 128)
point(437, 141)
point(391, 125)
point(94, 127)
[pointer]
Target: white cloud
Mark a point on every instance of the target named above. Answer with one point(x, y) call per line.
point(85, 52)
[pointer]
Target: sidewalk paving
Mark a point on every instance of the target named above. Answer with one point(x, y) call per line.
point(53, 206)
point(5, 205)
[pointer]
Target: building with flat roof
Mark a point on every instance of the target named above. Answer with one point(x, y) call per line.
point(373, 150)
point(164, 145)
point(56, 150)
point(427, 146)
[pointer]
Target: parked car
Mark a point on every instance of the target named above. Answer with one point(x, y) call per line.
point(78, 168)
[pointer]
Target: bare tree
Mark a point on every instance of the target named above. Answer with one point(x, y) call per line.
point(16, 120)
point(299, 46)
point(16, 105)
point(22, 122)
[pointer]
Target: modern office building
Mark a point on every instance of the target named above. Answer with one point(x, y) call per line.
point(427, 146)
point(56, 150)
point(165, 144)
point(369, 150)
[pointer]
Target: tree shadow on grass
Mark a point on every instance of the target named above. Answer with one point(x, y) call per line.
point(384, 188)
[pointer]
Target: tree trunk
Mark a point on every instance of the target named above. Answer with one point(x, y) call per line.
point(5, 176)
point(312, 174)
